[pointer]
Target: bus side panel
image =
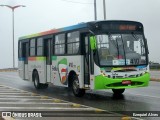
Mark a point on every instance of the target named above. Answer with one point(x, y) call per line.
point(59, 63)
point(26, 71)
point(31, 67)
point(61, 67)
point(48, 73)
point(92, 77)
point(21, 68)
point(41, 67)
point(39, 64)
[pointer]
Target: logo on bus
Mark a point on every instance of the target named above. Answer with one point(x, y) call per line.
point(62, 68)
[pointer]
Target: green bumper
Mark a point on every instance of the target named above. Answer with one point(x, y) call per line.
point(102, 82)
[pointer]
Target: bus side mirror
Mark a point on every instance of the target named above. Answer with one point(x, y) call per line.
point(93, 42)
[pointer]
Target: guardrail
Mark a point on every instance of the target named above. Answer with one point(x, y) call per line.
point(154, 66)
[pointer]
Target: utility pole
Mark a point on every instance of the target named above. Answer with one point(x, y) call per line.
point(95, 10)
point(104, 9)
point(13, 8)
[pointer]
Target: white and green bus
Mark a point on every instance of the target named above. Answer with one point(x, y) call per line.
point(88, 56)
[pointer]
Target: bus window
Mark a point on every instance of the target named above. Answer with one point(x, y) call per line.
point(73, 42)
point(60, 44)
point(32, 47)
point(40, 46)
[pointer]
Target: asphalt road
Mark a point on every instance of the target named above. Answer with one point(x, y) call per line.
point(135, 100)
point(155, 74)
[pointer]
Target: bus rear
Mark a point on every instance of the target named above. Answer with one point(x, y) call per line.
point(120, 55)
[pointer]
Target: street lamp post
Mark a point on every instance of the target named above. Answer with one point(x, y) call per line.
point(104, 9)
point(95, 10)
point(13, 8)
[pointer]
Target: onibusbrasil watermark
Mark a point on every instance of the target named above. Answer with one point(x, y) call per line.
point(22, 114)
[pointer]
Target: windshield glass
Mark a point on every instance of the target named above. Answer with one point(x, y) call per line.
point(121, 49)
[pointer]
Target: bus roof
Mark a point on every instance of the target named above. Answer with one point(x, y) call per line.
point(73, 27)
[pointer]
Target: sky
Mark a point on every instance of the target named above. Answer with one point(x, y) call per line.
point(42, 15)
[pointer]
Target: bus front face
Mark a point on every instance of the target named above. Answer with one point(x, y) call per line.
point(121, 56)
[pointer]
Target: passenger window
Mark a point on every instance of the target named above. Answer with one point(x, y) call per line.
point(32, 47)
point(40, 47)
point(73, 42)
point(59, 44)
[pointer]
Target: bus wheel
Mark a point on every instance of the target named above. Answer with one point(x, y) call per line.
point(118, 91)
point(36, 82)
point(44, 86)
point(78, 92)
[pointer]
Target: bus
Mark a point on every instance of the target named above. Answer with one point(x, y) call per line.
point(95, 55)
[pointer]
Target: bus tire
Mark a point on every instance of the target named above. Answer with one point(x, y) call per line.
point(44, 86)
point(78, 92)
point(36, 80)
point(118, 91)
point(37, 84)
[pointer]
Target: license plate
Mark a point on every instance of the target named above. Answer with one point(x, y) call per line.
point(126, 82)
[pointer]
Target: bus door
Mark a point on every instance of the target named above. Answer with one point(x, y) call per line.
point(86, 61)
point(25, 54)
point(47, 52)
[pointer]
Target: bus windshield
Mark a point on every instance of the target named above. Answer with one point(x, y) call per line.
point(121, 49)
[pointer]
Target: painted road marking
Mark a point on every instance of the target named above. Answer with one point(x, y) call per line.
point(12, 99)
point(27, 101)
point(19, 100)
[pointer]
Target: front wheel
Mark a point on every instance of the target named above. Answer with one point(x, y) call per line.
point(37, 84)
point(78, 92)
point(118, 91)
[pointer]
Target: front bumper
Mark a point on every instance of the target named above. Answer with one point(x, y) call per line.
point(103, 82)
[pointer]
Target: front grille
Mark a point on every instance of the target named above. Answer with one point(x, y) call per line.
point(132, 76)
point(119, 77)
point(119, 84)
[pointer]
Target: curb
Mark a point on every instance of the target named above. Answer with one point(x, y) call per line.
point(8, 70)
point(155, 79)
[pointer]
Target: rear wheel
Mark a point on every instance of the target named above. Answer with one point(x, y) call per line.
point(118, 91)
point(44, 86)
point(78, 92)
point(37, 84)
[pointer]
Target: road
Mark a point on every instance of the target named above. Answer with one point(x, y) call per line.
point(155, 74)
point(140, 99)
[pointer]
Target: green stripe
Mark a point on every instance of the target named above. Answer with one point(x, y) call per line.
point(40, 58)
point(54, 57)
point(63, 61)
point(29, 36)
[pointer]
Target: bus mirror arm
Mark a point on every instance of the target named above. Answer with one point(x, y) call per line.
point(92, 33)
point(93, 42)
point(92, 39)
